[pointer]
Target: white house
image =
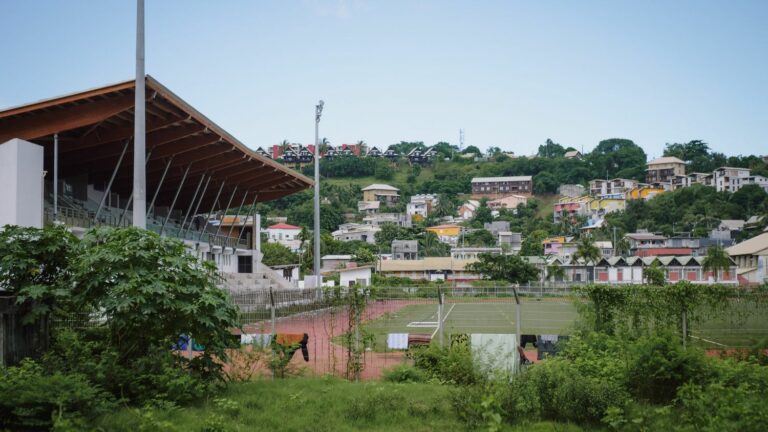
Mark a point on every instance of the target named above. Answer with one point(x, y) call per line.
point(285, 234)
point(728, 179)
point(352, 231)
point(355, 276)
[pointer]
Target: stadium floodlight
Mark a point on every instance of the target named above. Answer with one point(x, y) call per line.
point(139, 131)
point(318, 278)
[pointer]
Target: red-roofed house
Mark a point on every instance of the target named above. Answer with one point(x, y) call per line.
point(285, 234)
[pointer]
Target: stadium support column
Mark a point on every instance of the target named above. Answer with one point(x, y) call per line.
point(108, 189)
point(175, 197)
point(197, 207)
point(234, 221)
point(213, 207)
point(151, 207)
point(139, 127)
point(257, 239)
point(229, 203)
point(245, 221)
point(56, 177)
point(191, 204)
point(318, 278)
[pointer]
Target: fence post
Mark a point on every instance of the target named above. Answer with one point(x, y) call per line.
point(440, 315)
point(685, 328)
point(273, 333)
point(517, 314)
point(358, 308)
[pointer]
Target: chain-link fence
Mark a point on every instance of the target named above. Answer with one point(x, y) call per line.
point(359, 333)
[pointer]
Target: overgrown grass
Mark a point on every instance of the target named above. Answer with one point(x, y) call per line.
point(309, 404)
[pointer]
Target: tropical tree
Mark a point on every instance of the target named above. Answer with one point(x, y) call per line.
point(284, 144)
point(587, 251)
point(654, 274)
point(431, 245)
point(532, 243)
point(364, 256)
point(483, 213)
point(445, 206)
point(324, 143)
point(508, 268)
point(303, 237)
point(555, 271)
point(717, 259)
point(277, 254)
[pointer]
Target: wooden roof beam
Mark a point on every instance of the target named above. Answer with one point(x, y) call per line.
point(49, 122)
point(118, 134)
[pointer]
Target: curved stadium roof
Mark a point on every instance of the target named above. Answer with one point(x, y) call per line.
point(94, 126)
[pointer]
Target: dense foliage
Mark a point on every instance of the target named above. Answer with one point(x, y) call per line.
point(508, 268)
point(124, 297)
point(626, 368)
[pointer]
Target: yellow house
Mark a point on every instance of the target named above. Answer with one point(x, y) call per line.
point(607, 205)
point(446, 233)
point(644, 192)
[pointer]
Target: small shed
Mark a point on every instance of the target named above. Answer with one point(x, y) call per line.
point(355, 276)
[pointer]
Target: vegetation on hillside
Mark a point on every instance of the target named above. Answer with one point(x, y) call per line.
point(695, 209)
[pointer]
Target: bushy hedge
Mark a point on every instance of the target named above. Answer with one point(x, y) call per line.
point(650, 383)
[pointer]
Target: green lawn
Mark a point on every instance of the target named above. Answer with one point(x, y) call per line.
point(304, 404)
point(548, 316)
point(744, 325)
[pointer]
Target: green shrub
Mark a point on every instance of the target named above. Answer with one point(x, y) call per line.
point(560, 391)
point(404, 374)
point(452, 364)
point(32, 400)
point(159, 375)
point(659, 365)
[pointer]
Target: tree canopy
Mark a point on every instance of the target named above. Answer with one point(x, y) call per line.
point(508, 268)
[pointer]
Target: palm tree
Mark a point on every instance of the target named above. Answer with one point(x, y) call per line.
point(284, 144)
point(445, 206)
point(622, 247)
point(363, 147)
point(587, 251)
point(717, 259)
point(324, 143)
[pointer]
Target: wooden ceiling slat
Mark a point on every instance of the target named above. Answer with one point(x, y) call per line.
point(54, 121)
point(119, 134)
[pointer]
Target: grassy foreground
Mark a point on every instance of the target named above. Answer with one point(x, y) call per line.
point(304, 404)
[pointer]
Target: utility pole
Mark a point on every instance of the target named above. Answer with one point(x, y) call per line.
point(318, 278)
point(139, 128)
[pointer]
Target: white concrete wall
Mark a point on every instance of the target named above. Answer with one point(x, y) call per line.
point(348, 276)
point(21, 177)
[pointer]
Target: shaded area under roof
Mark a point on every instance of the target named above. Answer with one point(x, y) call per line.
point(94, 126)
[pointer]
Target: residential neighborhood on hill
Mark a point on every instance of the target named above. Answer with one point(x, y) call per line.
point(435, 203)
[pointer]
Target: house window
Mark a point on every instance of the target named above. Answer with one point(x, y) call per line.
point(245, 264)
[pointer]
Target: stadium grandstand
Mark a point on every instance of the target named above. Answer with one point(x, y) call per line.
point(195, 171)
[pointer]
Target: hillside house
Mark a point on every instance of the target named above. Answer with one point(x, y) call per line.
point(495, 187)
point(381, 192)
point(664, 169)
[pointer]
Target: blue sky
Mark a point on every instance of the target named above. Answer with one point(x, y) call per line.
point(511, 74)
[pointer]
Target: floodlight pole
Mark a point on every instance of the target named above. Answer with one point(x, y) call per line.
point(318, 278)
point(139, 128)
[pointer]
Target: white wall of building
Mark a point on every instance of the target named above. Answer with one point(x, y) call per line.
point(21, 177)
point(357, 276)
